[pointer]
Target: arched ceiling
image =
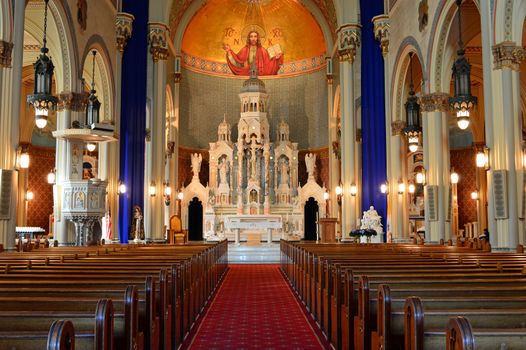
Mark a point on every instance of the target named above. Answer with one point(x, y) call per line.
point(326, 7)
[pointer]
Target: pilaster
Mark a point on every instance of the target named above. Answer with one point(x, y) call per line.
point(435, 110)
point(348, 44)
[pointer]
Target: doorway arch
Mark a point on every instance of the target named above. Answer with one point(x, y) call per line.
point(310, 223)
point(195, 220)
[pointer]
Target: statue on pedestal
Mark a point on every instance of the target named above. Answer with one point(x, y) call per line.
point(197, 158)
point(310, 163)
point(137, 224)
point(284, 177)
point(223, 171)
point(372, 221)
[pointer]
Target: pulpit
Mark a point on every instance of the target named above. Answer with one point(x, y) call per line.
point(328, 230)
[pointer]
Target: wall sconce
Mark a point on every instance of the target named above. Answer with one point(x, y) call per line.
point(354, 190)
point(401, 187)
point(523, 149)
point(167, 193)
point(326, 195)
point(339, 191)
point(51, 177)
point(421, 177)
point(411, 188)
point(23, 157)
point(153, 189)
point(180, 195)
point(482, 158)
point(454, 177)
point(90, 146)
point(121, 189)
point(474, 195)
point(30, 196)
point(384, 188)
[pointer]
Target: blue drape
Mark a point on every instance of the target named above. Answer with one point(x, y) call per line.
point(133, 115)
point(374, 168)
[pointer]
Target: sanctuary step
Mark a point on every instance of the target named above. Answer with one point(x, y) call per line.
point(247, 254)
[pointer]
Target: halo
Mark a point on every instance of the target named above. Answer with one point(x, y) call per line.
point(250, 28)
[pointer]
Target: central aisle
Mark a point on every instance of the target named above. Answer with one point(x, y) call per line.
point(255, 309)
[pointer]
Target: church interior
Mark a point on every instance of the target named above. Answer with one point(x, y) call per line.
point(263, 174)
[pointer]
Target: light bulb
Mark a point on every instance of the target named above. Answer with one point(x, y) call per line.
point(354, 190)
point(474, 195)
point(454, 178)
point(180, 196)
point(339, 190)
point(24, 160)
point(420, 178)
point(411, 188)
point(167, 190)
point(122, 188)
point(480, 160)
point(51, 178)
point(384, 188)
point(41, 115)
point(463, 119)
point(413, 143)
point(90, 146)
point(401, 188)
point(325, 195)
point(30, 196)
point(152, 190)
point(413, 147)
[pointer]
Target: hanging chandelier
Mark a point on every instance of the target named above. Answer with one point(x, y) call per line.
point(93, 106)
point(463, 102)
point(42, 99)
point(412, 130)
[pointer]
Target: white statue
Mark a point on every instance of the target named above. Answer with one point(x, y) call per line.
point(371, 220)
point(223, 170)
point(310, 162)
point(284, 178)
point(197, 158)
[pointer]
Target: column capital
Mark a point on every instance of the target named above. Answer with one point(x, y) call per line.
point(123, 29)
point(6, 48)
point(397, 127)
point(381, 32)
point(507, 54)
point(72, 101)
point(158, 36)
point(436, 101)
point(349, 36)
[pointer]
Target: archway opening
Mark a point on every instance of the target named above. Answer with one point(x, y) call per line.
point(311, 210)
point(195, 220)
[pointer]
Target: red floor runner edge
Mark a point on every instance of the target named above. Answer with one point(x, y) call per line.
point(255, 309)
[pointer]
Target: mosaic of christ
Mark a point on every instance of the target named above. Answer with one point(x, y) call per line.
point(267, 62)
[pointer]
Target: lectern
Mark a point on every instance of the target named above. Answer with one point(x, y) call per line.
point(328, 230)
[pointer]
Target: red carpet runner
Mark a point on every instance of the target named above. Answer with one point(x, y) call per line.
point(255, 309)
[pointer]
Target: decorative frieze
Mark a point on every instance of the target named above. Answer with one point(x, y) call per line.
point(123, 29)
point(348, 41)
point(72, 101)
point(397, 127)
point(381, 32)
point(158, 36)
point(6, 49)
point(508, 55)
point(435, 102)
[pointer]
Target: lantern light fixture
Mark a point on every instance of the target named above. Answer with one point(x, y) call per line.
point(30, 196)
point(51, 177)
point(474, 195)
point(121, 188)
point(401, 187)
point(412, 130)
point(411, 188)
point(152, 189)
point(462, 102)
point(23, 160)
point(354, 190)
point(93, 106)
point(421, 177)
point(180, 195)
point(42, 99)
point(384, 188)
point(454, 177)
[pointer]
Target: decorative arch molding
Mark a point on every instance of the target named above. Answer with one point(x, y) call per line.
point(517, 12)
point(409, 44)
point(96, 42)
point(436, 53)
point(177, 28)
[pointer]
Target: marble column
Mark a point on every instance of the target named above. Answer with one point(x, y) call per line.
point(158, 36)
point(173, 140)
point(334, 149)
point(240, 154)
point(505, 147)
point(349, 42)
point(435, 110)
point(11, 54)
